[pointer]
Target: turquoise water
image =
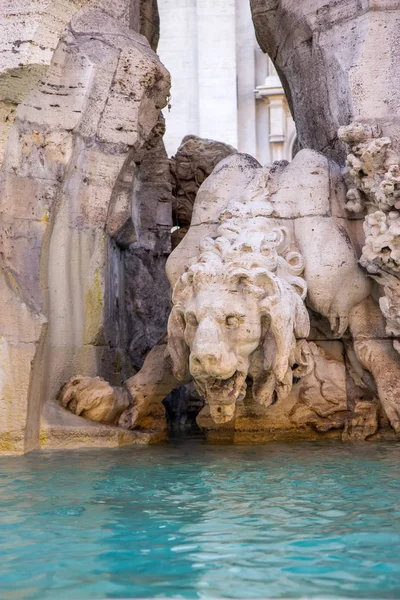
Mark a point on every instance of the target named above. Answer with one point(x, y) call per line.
point(197, 521)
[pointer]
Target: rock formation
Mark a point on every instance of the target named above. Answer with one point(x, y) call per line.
point(285, 303)
point(84, 197)
point(193, 162)
point(277, 329)
point(337, 62)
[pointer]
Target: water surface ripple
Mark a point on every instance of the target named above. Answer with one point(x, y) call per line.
point(187, 519)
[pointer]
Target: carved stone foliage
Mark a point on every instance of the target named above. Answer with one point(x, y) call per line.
point(381, 251)
point(374, 173)
point(373, 166)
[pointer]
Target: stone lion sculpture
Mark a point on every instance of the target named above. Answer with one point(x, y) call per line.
point(265, 283)
point(243, 289)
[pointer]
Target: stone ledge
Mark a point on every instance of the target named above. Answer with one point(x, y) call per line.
point(61, 430)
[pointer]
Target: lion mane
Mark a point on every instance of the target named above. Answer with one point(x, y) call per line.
point(261, 260)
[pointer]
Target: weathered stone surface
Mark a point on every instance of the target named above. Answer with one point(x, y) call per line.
point(148, 388)
point(62, 430)
point(337, 68)
point(94, 398)
point(373, 170)
point(336, 62)
point(239, 325)
point(74, 155)
point(322, 394)
point(363, 423)
point(255, 253)
point(267, 248)
point(147, 297)
point(193, 162)
point(30, 32)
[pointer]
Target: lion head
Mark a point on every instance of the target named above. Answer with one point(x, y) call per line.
point(237, 311)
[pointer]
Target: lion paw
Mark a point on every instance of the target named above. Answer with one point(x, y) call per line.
point(93, 398)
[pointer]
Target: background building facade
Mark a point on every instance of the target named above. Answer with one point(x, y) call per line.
point(223, 86)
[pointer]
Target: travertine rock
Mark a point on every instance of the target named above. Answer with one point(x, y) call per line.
point(249, 273)
point(148, 388)
point(84, 198)
point(363, 423)
point(239, 280)
point(337, 62)
point(148, 304)
point(30, 32)
point(138, 289)
point(337, 67)
point(193, 162)
point(254, 259)
point(62, 430)
point(73, 187)
point(373, 167)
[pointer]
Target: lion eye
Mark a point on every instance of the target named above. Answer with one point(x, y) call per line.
point(190, 319)
point(232, 321)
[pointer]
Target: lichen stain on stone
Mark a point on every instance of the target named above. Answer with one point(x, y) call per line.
point(94, 307)
point(42, 438)
point(118, 363)
point(6, 443)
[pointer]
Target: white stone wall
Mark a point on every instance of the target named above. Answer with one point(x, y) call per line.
point(216, 51)
point(221, 81)
point(178, 51)
point(197, 44)
point(246, 73)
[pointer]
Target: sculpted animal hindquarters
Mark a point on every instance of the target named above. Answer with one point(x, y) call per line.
point(265, 245)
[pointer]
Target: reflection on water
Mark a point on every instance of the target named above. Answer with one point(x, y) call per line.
point(198, 521)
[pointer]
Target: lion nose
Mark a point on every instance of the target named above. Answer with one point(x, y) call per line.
point(212, 362)
point(209, 355)
point(206, 362)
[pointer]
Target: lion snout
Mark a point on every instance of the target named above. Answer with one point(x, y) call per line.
point(214, 362)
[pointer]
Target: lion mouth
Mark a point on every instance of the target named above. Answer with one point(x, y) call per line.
point(222, 394)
